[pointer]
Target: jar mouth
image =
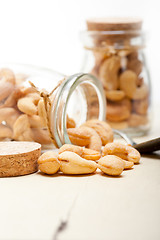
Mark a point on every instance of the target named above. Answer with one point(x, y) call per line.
point(117, 39)
point(62, 100)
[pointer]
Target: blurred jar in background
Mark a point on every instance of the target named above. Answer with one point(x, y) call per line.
point(115, 55)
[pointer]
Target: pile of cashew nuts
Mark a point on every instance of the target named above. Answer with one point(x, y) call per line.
point(93, 148)
point(121, 73)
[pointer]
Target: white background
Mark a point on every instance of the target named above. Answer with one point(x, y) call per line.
point(46, 32)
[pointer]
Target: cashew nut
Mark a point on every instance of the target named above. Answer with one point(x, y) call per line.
point(118, 111)
point(21, 129)
point(128, 83)
point(114, 95)
point(108, 73)
point(79, 136)
point(102, 128)
point(111, 165)
point(28, 105)
point(48, 162)
point(123, 151)
point(86, 153)
point(72, 163)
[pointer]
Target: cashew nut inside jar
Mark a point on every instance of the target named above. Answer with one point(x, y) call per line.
point(115, 54)
point(38, 104)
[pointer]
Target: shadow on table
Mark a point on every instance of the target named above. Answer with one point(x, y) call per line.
point(155, 155)
point(60, 174)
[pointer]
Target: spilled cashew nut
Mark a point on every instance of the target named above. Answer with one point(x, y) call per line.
point(48, 162)
point(123, 151)
point(72, 163)
point(127, 164)
point(95, 142)
point(102, 128)
point(79, 136)
point(86, 153)
point(111, 165)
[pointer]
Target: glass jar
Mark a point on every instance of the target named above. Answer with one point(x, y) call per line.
point(29, 113)
point(115, 55)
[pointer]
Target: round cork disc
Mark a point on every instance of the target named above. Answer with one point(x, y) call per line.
point(114, 24)
point(18, 158)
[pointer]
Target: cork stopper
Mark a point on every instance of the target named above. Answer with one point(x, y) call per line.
point(114, 24)
point(18, 158)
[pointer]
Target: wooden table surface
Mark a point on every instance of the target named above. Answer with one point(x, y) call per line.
point(95, 207)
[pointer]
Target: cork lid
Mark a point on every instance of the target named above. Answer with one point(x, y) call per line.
point(18, 158)
point(114, 24)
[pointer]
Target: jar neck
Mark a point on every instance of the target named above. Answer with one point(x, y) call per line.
point(74, 97)
point(101, 40)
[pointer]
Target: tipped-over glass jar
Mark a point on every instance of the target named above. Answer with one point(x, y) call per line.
point(29, 112)
point(115, 55)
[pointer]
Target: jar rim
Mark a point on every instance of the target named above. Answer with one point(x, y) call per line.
point(59, 106)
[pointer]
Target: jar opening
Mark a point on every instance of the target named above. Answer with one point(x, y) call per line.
point(74, 99)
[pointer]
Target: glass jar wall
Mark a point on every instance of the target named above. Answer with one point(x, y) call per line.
point(115, 55)
point(28, 112)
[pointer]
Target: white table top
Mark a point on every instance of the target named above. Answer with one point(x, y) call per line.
point(97, 207)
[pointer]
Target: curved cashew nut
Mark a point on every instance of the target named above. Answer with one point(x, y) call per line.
point(79, 136)
point(128, 83)
point(102, 128)
point(123, 151)
point(21, 129)
point(95, 142)
point(28, 104)
point(108, 73)
point(72, 163)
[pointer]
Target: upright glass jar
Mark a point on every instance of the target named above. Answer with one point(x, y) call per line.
point(29, 112)
point(115, 55)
